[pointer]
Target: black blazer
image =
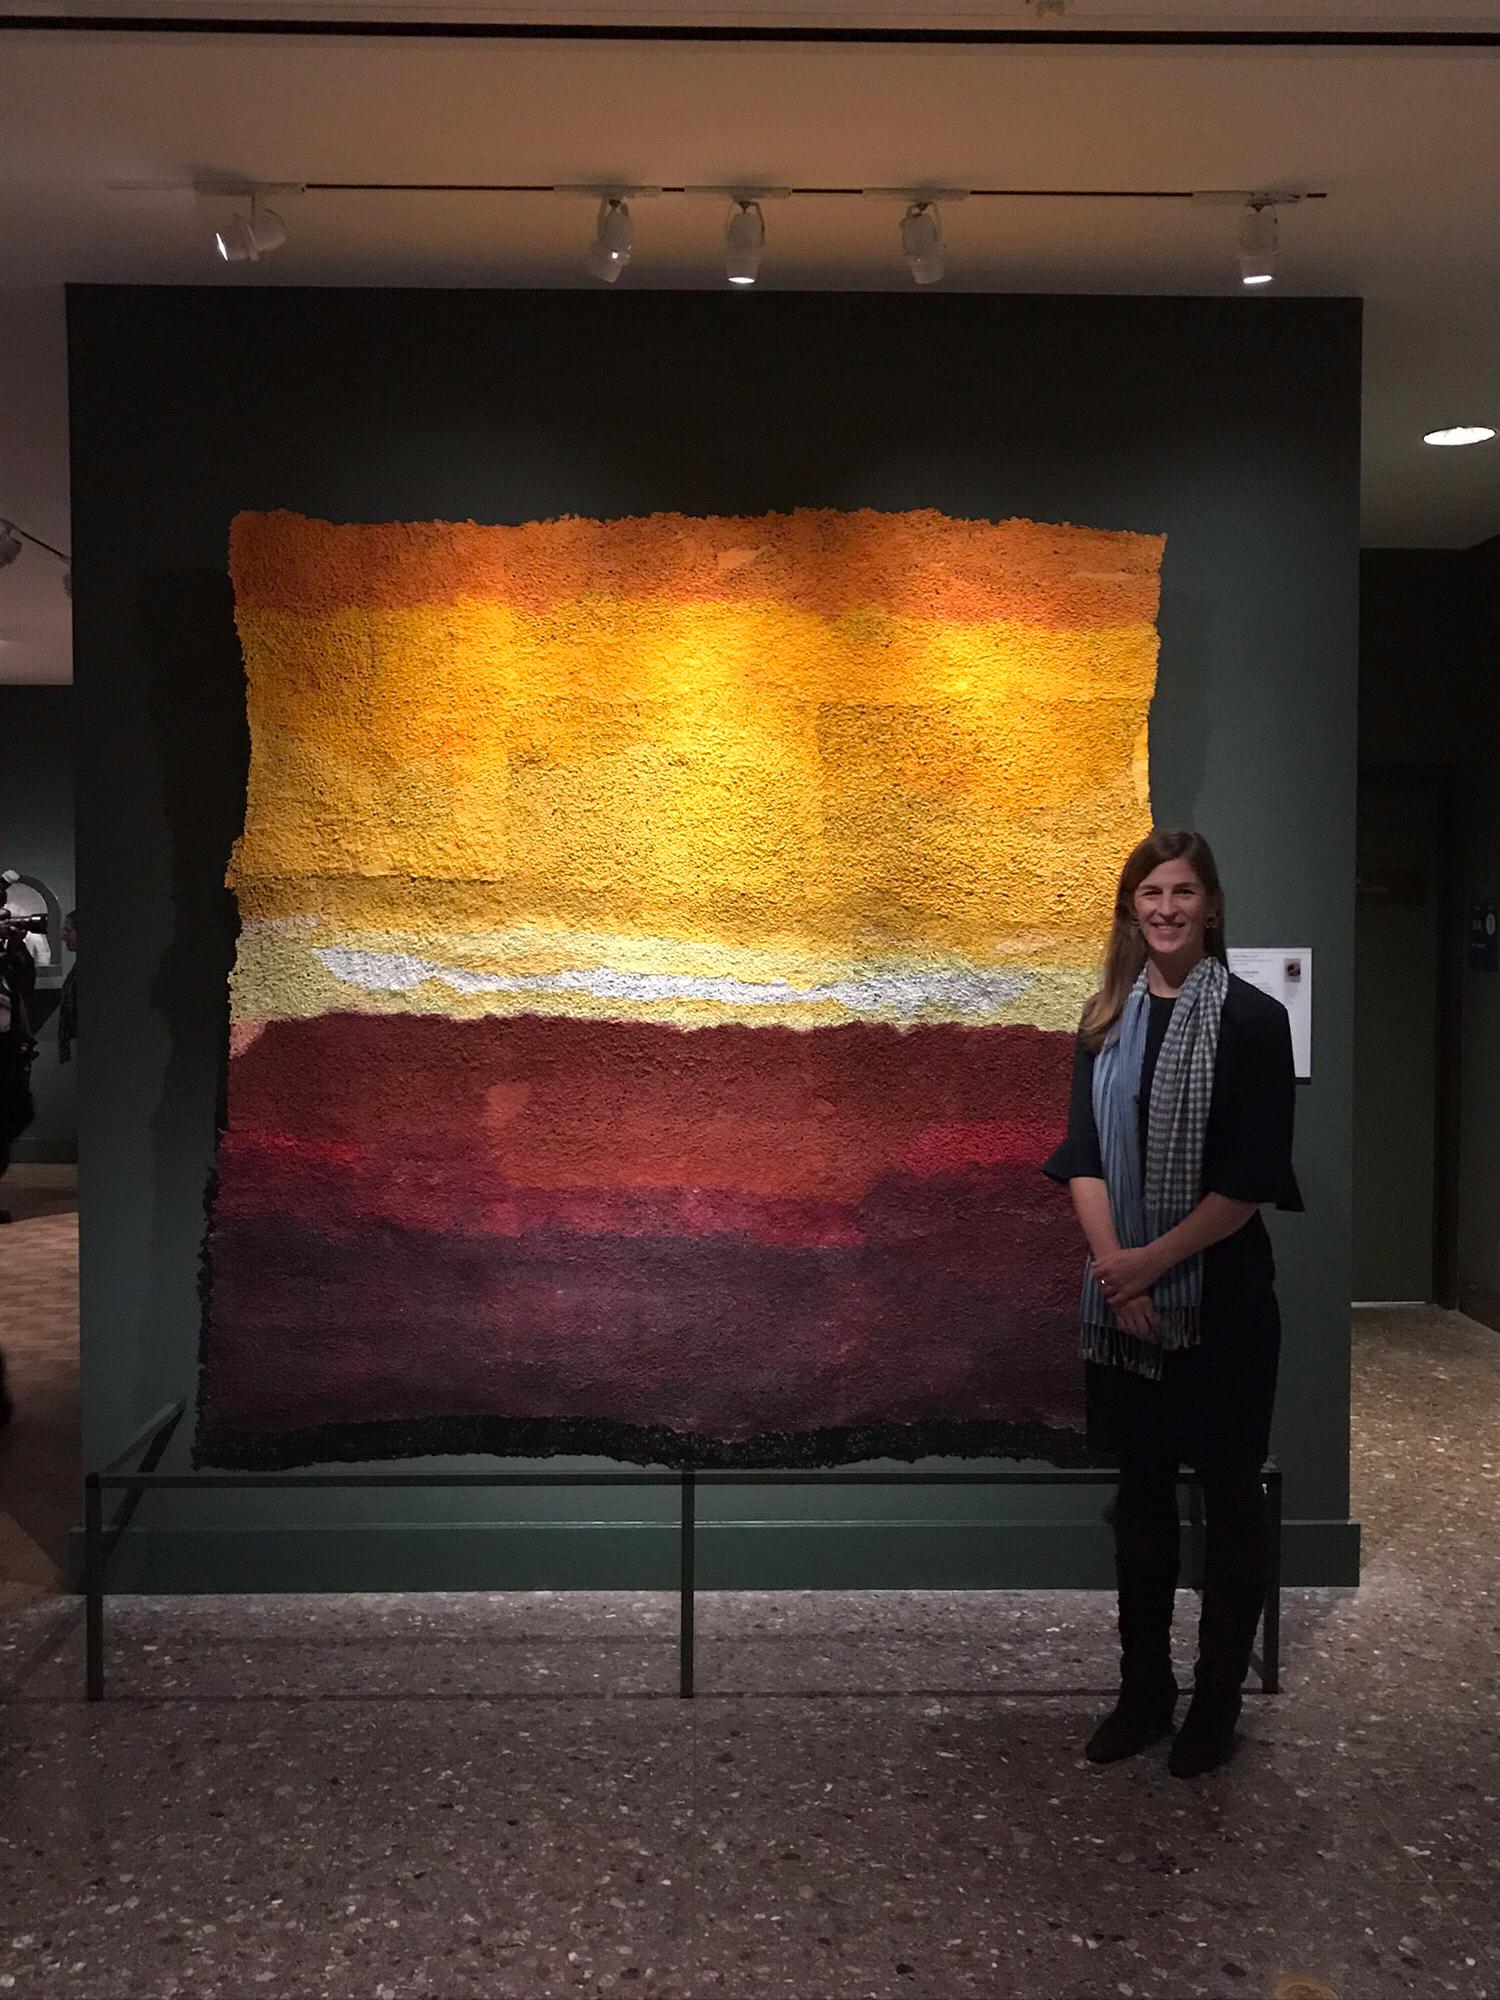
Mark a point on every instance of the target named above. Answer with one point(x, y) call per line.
point(1247, 1149)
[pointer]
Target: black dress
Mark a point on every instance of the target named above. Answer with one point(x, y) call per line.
point(1214, 1401)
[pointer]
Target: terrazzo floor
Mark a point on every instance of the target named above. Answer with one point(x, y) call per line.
point(381, 1798)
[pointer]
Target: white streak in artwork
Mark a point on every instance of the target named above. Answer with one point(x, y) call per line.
point(903, 994)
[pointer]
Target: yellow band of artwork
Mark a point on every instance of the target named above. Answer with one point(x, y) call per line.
point(643, 807)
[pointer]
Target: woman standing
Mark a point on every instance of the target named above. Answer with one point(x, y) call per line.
point(1179, 1130)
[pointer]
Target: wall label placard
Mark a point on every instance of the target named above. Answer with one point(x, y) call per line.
point(1484, 938)
point(1285, 972)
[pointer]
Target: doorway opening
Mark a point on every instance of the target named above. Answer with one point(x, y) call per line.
point(1407, 1023)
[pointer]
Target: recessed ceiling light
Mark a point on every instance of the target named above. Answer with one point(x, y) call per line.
point(1460, 434)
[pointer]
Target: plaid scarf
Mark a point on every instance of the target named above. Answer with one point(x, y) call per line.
point(1180, 1094)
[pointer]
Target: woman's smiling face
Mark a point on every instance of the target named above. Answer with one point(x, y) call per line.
point(1174, 911)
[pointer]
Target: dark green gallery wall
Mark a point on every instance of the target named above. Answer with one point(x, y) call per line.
point(1479, 1198)
point(36, 839)
point(1430, 698)
point(1230, 425)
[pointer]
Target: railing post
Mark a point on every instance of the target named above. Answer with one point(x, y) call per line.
point(687, 1581)
point(93, 1587)
point(1270, 1671)
point(1195, 1534)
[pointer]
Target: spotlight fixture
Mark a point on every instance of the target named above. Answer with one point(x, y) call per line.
point(245, 239)
point(1455, 434)
point(922, 242)
point(609, 252)
point(1258, 234)
point(14, 539)
point(744, 242)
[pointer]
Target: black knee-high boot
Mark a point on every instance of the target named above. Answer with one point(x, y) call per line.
point(1235, 1574)
point(1146, 1540)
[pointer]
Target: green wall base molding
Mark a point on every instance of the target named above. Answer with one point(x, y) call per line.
point(731, 1555)
point(45, 1152)
point(1481, 1302)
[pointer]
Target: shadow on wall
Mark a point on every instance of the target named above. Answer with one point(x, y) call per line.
point(186, 638)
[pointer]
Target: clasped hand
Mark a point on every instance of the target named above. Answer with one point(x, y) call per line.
point(1125, 1277)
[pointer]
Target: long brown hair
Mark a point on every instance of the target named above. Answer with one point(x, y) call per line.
point(1126, 952)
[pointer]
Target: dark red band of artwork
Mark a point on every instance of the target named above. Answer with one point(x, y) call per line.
point(718, 1246)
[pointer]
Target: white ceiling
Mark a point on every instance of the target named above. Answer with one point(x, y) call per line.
point(1406, 142)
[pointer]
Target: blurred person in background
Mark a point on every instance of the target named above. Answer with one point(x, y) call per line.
point(17, 985)
point(67, 1007)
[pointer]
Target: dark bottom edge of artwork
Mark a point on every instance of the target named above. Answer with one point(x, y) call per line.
point(224, 1448)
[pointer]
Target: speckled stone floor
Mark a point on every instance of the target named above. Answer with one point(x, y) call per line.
point(438, 1797)
point(39, 1453)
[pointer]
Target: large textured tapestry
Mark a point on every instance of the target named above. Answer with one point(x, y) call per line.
point(661, 940)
